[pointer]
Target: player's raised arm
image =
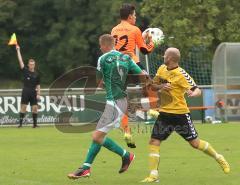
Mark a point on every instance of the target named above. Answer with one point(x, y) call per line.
point(144, 48)
point(20, 60)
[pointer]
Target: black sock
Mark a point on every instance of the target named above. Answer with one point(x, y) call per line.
point(34, 115)
point(21, 115)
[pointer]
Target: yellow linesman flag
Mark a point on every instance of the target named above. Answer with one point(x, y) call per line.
point(13, 40)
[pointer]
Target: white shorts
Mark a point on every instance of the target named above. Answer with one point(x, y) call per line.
point(112, 115)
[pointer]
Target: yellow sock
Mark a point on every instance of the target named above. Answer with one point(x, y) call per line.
point(154, 158)
point(207, 148)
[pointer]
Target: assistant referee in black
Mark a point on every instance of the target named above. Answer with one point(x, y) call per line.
point(31, 88)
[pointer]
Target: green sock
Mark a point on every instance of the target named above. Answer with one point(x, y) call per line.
point(114, 147)
point(92, 153)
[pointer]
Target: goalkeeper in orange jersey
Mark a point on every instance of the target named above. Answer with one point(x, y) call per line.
point(174, 82)
point(127, 38)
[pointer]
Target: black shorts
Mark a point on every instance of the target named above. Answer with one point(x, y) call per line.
point(167, 123)
point(29, 96)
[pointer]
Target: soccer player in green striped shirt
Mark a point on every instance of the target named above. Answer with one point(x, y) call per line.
point(113, 68)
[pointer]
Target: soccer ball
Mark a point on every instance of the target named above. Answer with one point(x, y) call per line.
point(157, 35)
point(209, 119)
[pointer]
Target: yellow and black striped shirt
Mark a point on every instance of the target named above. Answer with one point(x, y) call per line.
point(173, 101)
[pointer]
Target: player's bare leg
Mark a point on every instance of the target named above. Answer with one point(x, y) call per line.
point(208, 149)
point(34, 115)
point(154, 159)
point(22, 114)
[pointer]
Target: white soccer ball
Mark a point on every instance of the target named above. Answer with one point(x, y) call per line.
point(157, 35)
point(209, 119)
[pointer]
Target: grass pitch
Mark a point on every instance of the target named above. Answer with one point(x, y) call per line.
point(45, 156)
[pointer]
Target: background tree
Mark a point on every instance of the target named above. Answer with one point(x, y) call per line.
point(63, 34)
point(58, 34)
point(195, 23)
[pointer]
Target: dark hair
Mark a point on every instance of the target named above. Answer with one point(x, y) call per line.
point(126, 10)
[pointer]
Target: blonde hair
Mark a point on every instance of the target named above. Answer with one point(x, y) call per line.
point(107, 40)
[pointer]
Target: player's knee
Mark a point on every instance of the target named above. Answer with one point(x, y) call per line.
point(23, 108)
point(194, 143)
point(34, 109)
point(96, 138)
point(23, 111)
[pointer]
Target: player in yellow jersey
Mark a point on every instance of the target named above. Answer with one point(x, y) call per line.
point(174, 82)
point(127, 38)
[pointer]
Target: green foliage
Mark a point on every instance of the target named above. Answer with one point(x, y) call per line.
point(195, 23)
point(60, 35)
point(63, 34)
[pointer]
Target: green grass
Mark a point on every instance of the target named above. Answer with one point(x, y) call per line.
point(45, 156)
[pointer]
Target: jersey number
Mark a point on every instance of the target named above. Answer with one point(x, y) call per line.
point(124, 37)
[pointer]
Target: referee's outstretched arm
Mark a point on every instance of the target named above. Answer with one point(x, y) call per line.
point(20, 60)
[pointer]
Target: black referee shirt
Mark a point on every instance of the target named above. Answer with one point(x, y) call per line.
point(30, 79)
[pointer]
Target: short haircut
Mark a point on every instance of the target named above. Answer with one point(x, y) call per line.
point(107, 40)
point(126, 10)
